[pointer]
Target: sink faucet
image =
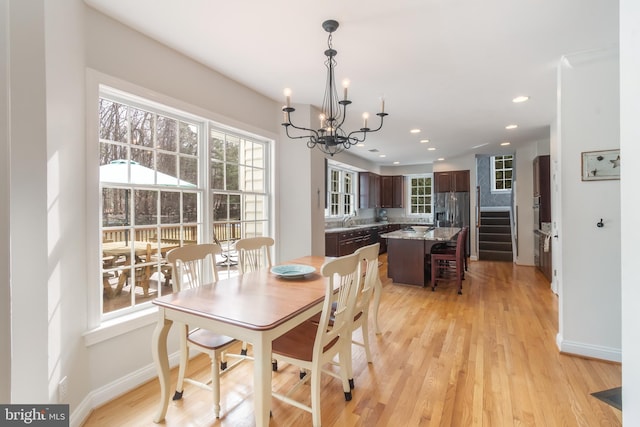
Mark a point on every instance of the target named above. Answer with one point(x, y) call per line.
point(346, 219)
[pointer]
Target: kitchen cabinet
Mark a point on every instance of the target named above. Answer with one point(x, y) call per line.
point(542, 187)
point(391, 191)
point(347, 242)
point(369, 189)
point(541, 257)
point(452, 181)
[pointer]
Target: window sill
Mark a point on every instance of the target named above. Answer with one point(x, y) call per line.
point(120, 326)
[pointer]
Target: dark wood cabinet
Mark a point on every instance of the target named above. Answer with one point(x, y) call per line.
point(542, 187)
point(398, 191)
point(452, 181)
point(331, 244)
point(391, 191)
point(369, 189)
point(542, 258)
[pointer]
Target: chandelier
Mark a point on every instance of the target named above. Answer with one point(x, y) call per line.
point(330, 137)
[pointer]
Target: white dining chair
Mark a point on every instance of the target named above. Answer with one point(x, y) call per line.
point(254, 253)
point(193, 266)
point(313, 345)
point(369, 257)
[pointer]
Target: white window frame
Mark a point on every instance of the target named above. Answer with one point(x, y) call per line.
point(99, 327)
point(409, 191)
point(342, 208)
point(494, 170)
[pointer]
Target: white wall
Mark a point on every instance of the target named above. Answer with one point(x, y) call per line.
point(294, 191)
point(5, 135)
point(630, 149)
point(589, 293)
point(28, 204)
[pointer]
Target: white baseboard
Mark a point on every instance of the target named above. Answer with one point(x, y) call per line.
point(115, 389)
point(589, 350)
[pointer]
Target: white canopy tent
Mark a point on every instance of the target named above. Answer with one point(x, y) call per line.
point(117, 172)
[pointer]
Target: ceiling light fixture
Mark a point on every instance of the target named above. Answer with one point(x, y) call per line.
point(330, 138)
point(431, 148)
point(415, 131)
point(511, 127)
point(424, 141)
point(505, 143)
point(519, 99)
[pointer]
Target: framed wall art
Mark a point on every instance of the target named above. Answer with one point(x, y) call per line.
point(600, 165)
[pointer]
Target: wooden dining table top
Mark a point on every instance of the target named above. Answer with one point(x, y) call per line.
point(258, 300)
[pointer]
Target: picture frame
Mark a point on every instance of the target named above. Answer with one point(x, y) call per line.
point(600, 165)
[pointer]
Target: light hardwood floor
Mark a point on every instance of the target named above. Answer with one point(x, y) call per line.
point(484, 358)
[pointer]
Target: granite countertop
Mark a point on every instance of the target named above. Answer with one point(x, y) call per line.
point(438, 233)
point(373, 224)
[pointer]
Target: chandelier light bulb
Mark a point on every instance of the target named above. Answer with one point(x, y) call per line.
point(345, 85)
point(287, 94)
point(365, 116)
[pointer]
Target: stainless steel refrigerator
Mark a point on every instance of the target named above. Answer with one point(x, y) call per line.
point(452, 209)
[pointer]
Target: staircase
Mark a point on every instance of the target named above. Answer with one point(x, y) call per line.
point(495, 236)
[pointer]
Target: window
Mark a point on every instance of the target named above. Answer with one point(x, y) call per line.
point(420, 194)
point(342, 191)
point(164, 184)
point(238, 191)
point(502, 173)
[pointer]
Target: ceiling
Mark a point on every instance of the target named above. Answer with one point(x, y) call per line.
point(447, 67)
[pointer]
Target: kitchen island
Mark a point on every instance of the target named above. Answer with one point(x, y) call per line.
point(407, 251)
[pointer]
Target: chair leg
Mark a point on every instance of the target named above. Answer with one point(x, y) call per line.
point(215, 383)
point(434, 274)
point(348, 364)
point(345, 369)
point(365, 337)
point(315, 397)
point(184, 360)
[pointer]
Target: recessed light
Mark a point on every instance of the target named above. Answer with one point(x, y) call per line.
point(415, 131)
point(396, 163)
point(360, 145)
point(440, 159)
point(480, 145)
point(431, 148)
point(424, 141)
point(505, 143)
point(511, 126)
point(382, 155)
point(522, 98)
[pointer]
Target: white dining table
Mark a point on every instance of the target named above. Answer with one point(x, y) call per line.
point(256, 307)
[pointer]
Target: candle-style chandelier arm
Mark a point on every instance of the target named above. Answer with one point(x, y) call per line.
point(364, 131)
point(314, 134)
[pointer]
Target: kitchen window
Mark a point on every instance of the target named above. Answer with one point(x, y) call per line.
point(501, 173)
point(342, 191)
point(420, 194)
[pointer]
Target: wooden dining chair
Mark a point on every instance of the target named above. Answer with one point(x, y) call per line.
point(449, 263)
point(369, 257)
point(254, 253)
point(313, 345)
point(193, 266)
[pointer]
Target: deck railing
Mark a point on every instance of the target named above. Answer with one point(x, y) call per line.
point(224, 232)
